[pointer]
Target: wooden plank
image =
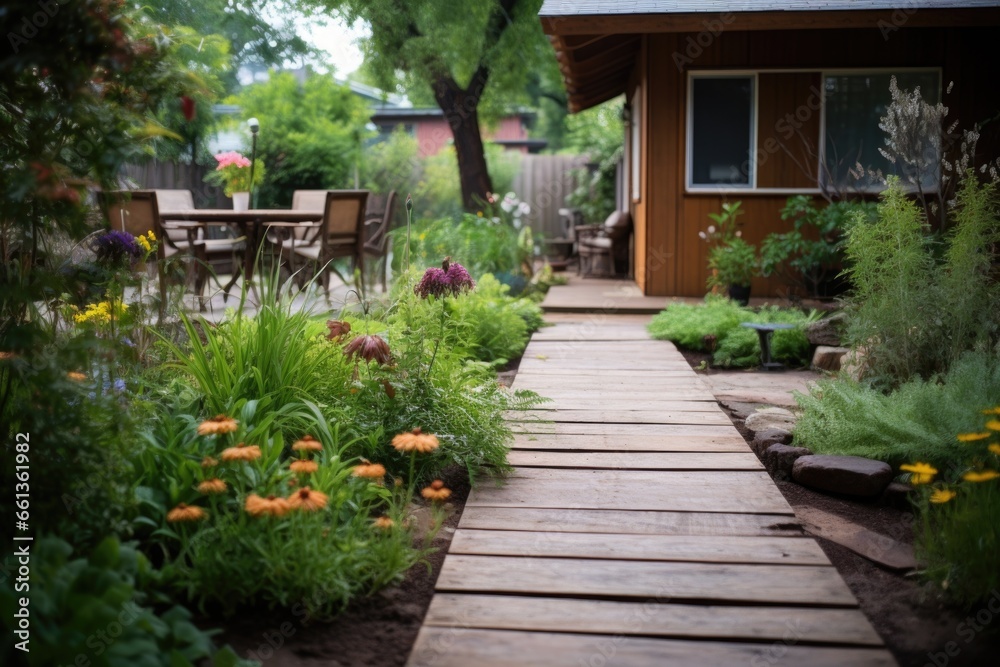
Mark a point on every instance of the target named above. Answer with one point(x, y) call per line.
point(532, 364)
point(610, 546)
point(556, 393)
point(465, 647)
point(510, 612)
point(624, 522)
point(683, 491)
point(778, 584)
point(563, 333)
point(724, 442)
point(645, 403)
point(634, 375)
point(621, 417)
point(630, 379)
point(621, 429)
point(882, 549)
point(636, 460)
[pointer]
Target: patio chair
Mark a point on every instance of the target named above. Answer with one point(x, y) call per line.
point(378, 223)
point(340, 234)
point(209, 249)
point(609, 241)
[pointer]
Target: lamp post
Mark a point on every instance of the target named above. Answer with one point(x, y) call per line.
point(254, 129)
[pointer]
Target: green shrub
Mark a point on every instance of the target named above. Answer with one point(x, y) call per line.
point(916, 422)
point(808, 257)
point(735, 346)
point(319, 559)
point(493, 324)
point(913, 314)
point(98, 608)
point(478, 243)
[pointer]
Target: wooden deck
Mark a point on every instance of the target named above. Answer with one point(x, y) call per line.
point(637, 529)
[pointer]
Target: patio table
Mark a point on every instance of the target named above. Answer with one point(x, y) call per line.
point(251, 224)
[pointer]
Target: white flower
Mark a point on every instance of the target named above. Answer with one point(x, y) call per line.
point(711, 229)
point(739, 233)
point(703, 235)
point(524, 208)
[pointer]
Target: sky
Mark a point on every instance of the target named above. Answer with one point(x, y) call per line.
point(337, 38)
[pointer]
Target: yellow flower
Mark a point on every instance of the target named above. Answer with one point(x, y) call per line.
point(217, 425)
point(307, 499)
point(415, 441)
point(183, 513)
point(241, 452)
point(980, 476)
point(210, 486)
point(922, 473)
point(992, 411)
point(942, 496)
point(972, 437)
point(150, 235)
point(144, 243)
point(304, 467)
point(993, 424)
point(101, 313)
point(436, 491)
point(994, 448)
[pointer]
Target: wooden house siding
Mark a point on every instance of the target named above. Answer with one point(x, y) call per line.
point(670, 257)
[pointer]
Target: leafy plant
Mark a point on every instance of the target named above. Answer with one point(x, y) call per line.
point(914, 315)
point(99, 609)
point(494, 325)
point(808, 257)
point(233, 173)
point(734, 263)
point(915, 422)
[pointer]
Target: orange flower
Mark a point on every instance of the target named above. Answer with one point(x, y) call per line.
point(210, 486)
point(5, 355)
point(384, 522)
point(307, 499)
point(217, 425)
point(209, 462)
point(436, 491)
point(308, 444)
point(270, 506)
point(972, 437)
point(304, 467)
point(184, 513)
point(415, 441)
point(76, 377)
point(369, 470)
point(241, 452)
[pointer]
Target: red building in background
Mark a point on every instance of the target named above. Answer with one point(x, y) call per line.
point(430, 127)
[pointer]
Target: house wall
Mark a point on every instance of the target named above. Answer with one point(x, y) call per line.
point(670, 257)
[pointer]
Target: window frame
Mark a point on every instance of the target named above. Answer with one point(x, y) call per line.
point(690, 188)
point(689, 185)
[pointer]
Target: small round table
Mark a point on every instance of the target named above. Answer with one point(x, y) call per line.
point(764, 332)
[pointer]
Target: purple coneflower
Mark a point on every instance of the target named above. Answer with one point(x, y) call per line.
point(370, 348)
point(449, 280)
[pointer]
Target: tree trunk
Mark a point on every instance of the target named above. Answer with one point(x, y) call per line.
point(460, 107)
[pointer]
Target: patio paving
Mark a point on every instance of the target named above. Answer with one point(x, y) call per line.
point(637, 529)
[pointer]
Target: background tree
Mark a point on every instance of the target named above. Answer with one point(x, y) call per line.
point(311, 134)
point(468, 53)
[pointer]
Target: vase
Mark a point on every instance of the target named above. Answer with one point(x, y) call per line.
point(740, 294)
point(241, 201)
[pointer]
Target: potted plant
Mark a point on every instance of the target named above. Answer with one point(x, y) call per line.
point(732, 262)
point(233, 174)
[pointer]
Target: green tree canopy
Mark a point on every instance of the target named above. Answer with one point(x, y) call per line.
point(470, 54)
point(310, 134)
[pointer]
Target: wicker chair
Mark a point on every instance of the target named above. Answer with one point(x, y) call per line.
point(609, 241)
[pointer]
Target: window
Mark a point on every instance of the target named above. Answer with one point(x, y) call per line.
point(721, 131)
point(854, 105)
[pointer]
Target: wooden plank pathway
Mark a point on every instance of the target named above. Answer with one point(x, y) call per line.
point(637, 529)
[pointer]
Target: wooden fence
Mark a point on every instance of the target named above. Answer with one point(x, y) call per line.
point(155, 175)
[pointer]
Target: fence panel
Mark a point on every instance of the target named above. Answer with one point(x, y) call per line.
point(155, 175)
point(544, 181)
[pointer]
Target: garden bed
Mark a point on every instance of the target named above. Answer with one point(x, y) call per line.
point(913, 619)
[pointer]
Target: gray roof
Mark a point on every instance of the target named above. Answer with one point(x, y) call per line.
point(625, 7)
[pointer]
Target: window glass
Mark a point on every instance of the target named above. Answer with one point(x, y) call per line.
point(721, 121)
point(854, 105)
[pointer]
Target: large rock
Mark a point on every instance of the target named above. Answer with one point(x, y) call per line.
point(827, 331)
point(849, 475)
point(779, 459)
point(767, 437)
point(827, 358)
point(766, 418)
